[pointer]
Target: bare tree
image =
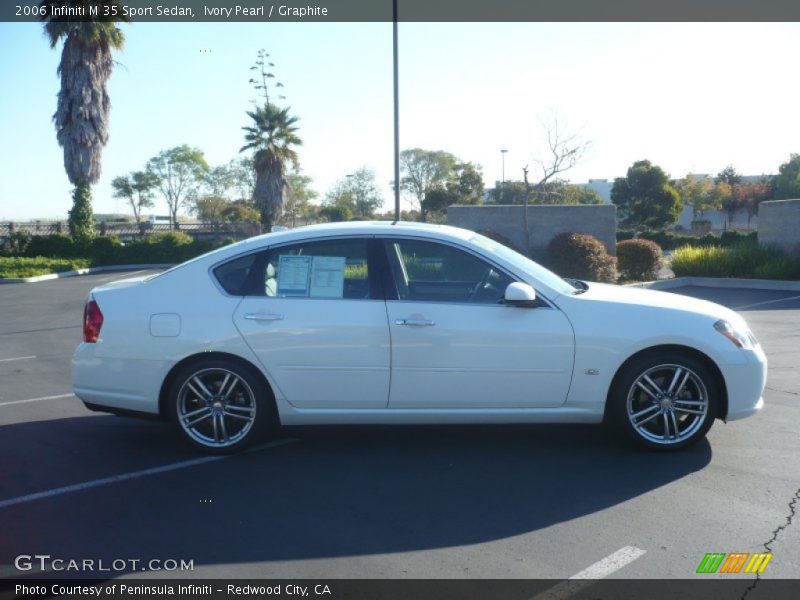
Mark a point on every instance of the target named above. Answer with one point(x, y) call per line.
point(564, 151)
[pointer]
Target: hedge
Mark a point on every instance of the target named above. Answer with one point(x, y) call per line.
point(670, 241)
point(11, 267)
point(746, 260)
point(168, 247)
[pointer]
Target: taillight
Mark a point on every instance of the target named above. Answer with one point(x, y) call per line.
point(92, 322)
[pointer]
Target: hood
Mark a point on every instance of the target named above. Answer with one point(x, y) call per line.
point(617, 294)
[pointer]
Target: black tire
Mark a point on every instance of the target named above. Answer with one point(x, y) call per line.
point(686, 416)
point(236, 415)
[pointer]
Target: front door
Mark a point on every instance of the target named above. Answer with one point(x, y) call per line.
point(456, 345)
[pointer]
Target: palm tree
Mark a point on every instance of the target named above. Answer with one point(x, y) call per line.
point(81, 118)
point(273, 137)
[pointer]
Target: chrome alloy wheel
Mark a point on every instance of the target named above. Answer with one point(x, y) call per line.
point(667, 404)
point(216, 407)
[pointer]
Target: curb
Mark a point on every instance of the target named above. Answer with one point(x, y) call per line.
point(720, 282)
point(87, 271)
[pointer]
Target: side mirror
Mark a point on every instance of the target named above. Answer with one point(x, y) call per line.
point(521, 295)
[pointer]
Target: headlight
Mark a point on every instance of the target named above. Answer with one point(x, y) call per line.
point(740, 337)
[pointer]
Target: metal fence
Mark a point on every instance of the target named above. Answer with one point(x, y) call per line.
point(131, 231)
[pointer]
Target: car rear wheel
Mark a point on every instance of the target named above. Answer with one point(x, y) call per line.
point(665, 401)
point(220, 406)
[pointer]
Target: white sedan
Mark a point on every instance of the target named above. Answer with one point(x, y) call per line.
point(384, 323)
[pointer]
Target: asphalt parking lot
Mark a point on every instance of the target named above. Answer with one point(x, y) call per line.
point(473, 502)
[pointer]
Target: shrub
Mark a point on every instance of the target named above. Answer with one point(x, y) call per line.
point(625, 234)
point(581, 256)
point(15, 243)
point(30, 267)
point(56, 245)
point(104, 250)
point(639, 259)
point(746, 260)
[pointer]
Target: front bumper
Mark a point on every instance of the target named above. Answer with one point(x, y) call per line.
point(745, 384)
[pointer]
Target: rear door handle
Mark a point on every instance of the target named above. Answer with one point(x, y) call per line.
point(263, 317)
point(415, 322)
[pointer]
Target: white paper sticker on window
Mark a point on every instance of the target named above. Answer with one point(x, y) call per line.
point(327, 277)
point(293, 275)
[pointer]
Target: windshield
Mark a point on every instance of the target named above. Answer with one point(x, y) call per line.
point(532, 268)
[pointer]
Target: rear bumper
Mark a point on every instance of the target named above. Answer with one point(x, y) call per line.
point(745, 384)
point(117, 385)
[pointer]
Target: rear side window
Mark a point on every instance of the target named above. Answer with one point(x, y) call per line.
point(324, 269)
point(233, 275)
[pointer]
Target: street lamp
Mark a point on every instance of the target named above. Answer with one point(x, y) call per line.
point(503, 183)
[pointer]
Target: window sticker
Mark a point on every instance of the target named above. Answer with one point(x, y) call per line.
point(294, 273)
point(327, 277)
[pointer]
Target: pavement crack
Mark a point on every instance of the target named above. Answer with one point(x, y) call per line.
point(775, 534)
point(783, 391)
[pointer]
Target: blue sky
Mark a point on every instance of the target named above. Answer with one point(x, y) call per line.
point(690, 97)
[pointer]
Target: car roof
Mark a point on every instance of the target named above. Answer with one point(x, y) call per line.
point(324, 230)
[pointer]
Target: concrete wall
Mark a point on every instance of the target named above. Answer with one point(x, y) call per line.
point(779, 224)
point(544, 222)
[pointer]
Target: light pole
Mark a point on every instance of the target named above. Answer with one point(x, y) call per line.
point(503, 183)
point(396, 115)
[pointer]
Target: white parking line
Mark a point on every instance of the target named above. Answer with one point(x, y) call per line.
point(767, 302)
point(599, 570)
point(78, 487)
point(36, 399)
point(16, 358)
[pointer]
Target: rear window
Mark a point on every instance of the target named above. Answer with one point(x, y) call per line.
point(233, 275)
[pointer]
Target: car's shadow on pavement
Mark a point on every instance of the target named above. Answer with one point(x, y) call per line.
point(335, 491)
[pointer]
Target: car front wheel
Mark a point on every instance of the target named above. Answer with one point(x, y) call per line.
point(220, 406)
point(665, 401)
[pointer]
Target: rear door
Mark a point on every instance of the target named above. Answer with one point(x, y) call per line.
point(315, 317)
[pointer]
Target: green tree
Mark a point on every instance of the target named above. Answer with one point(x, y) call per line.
point(243, 171)
point(180, 172)
point(700, 194)
point(514, 192)
point(272, 137)
point(467, 183)
point(241, 211)
point(727, 197)
point(137, 190)
point(644, 197)
point(82, 115)
point(423, 170)
point(437, 200)
point(299, 195)
point(358, 192)
point(336, 213)
point(211, 209)
point(367, 196)
point(730, 176)
point(787, 182)
point(752, 193)
point(578, 194)
point(465, 186)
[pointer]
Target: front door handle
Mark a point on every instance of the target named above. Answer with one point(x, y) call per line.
point(415, 322)
point(263, 317)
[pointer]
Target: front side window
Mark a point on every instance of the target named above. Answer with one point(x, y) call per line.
point(433, 272)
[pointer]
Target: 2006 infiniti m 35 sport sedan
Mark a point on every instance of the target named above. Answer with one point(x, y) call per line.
point(381, 323)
